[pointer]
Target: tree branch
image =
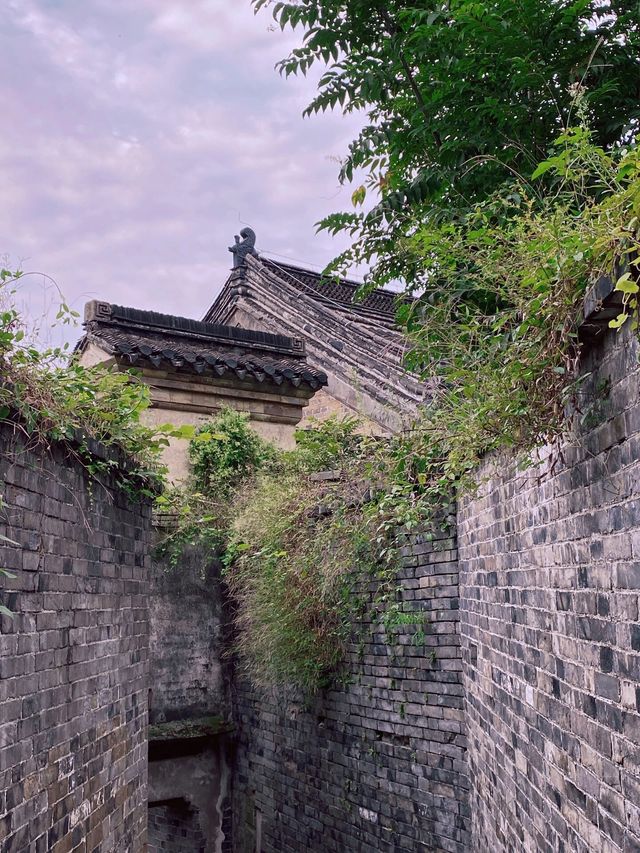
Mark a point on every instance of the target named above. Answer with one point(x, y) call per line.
point(393, 31)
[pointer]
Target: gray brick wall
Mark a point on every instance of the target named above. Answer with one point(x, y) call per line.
point(527, 717)
point(375, 765)
point(174, 828)
point(185, 648)
point(189, 681)
point(73, 660)
point(550, 577)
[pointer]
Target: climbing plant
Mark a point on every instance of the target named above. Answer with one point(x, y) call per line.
point(220, 466)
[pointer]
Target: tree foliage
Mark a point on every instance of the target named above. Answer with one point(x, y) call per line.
point(496, 330)
point(459, 97)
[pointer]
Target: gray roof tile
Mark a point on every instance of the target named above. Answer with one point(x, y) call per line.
point(165, 342)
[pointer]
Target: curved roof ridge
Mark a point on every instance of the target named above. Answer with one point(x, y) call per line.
point(338, 290)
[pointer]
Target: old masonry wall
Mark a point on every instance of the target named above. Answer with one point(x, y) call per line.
point(189, 707)
point(376, 764)
point(512, 726)
point(534, 747)
point(73, 659)
point(550, 578)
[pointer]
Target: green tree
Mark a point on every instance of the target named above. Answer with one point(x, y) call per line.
point(459, 96)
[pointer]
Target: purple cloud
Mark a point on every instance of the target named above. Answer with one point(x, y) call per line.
point(138, 138)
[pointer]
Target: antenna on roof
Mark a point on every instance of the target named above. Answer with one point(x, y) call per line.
point(243, 247)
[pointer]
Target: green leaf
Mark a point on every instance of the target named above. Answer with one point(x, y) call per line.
point(210, 436)
point(618, 321)
point(358, 196)
point(184, 431)
point(543, 168)
point(625, 284)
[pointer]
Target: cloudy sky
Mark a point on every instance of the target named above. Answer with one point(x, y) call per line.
point(138, 137)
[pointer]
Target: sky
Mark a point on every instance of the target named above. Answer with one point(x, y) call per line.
point(139, 137)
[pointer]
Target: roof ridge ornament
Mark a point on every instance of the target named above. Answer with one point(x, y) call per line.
point(243, 247)
point(97, 310)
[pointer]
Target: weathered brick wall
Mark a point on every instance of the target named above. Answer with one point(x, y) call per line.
point(174, 828)
point(376, 765)
point(73, 660)
point(185, 647)
point(550, 577)
point(189, 705)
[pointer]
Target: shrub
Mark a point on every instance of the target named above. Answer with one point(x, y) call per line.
point(301, 548)
point(225, 452)
point(235, 453)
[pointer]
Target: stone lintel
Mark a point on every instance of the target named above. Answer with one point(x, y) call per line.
point(285, 393)
point(190, 729)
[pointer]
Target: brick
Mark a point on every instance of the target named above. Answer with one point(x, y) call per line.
point(549, 588)
point(41, 716)
point(379, 747)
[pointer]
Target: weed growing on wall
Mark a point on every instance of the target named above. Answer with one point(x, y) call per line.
point(49, 397)
point(312, 545)
point(297, 544)
point(291, 581)
point(301, 534)
point(495, 332)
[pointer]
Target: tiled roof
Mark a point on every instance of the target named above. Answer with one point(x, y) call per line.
point(166, 342)
point(360, 348)
point(342, 291)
